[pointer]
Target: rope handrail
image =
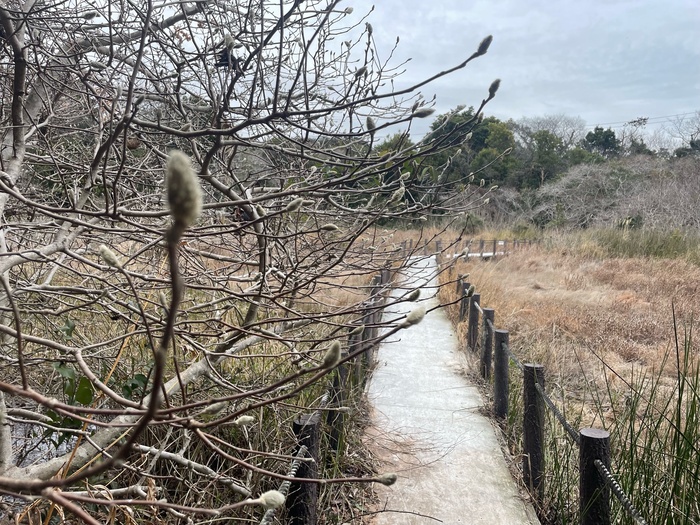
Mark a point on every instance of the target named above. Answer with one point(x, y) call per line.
point(284, 487)
point(575, 436)
point(616, 489)
point(573, 433)
point(513, 357)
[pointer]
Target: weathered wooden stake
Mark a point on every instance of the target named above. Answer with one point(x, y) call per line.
point(594, 493)
point(302, 501)
point(495, 245)
point(533, 431)
point(473, 325)
point(335, 419)
point(500, 374)
point(464, 301)
point(487, 345)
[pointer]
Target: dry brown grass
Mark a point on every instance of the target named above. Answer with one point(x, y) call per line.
point(571, 312)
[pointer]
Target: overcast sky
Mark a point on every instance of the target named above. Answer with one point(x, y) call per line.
point(607, 61)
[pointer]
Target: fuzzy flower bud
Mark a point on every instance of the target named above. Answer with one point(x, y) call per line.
point(244, 421)
point(332, 356)
point(294, 205)
point(484, 46)
point(358, 330)
point(109, 257)
point(414, 295)
point(272, 499)
point(423, 112)
point(215, 408)
point(184, 193)
point(361, 71)
point(471, 290)
point(494, 87)
point(229, 42)
point(371, 124)
point(330, 227)
point(398, 195)
point(387, 479)
point(415, 317)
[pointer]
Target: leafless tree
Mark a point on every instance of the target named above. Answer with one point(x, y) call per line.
point(138, 344)
point(570, 130)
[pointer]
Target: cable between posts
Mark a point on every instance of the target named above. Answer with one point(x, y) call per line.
point(513, 358)
point(619, 493)
point(284, 487)
point(615, 487)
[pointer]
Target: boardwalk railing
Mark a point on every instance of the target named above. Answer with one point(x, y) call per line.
point(463, 247)
point(347, 380)
point(596, 482)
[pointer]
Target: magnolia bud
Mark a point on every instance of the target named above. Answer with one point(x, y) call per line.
point(332, 356)
point(330, 227)
point(294, 205)
point(184, 193)
point(387, 479)
point(272, 499)
point(243, 421)
point(109, 257)
point(415, 317)
point(423, 112)
point(358, 330)
point(494, 87)
point(484, 46)
point(371, 125)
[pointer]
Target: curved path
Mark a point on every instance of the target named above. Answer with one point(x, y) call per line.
point(428, 427)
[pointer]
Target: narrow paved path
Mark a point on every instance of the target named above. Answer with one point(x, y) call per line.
point(427, 426)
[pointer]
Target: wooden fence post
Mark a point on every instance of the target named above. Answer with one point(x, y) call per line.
point(438, 247)
point(487, 346)
point(385, 276)
point(495, 245)
point(481, 247)
point(302, 501)
point(355, 342)
point(404, 253)
point(533, 430)
point(594, 493)
point(500, 372)
point(335, 419)
point(464, 301)
point(459, 284)
point(473, 325)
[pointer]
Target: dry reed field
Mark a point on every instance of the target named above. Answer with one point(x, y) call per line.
point(574, 312)
point(615, 337)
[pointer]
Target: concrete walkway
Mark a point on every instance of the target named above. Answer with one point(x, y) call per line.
point(427, 427)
